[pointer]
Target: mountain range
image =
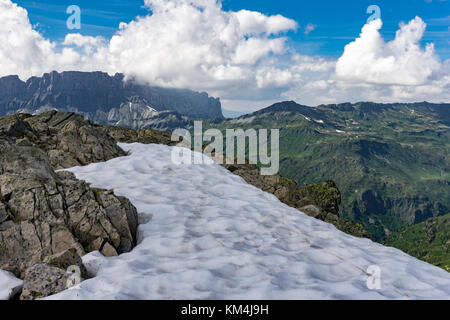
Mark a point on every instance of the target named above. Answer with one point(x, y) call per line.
point(88, 205)
point(99, 97)
point(390, 161)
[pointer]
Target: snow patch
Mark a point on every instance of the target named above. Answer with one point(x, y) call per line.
point(210, 235)
point(9, 285)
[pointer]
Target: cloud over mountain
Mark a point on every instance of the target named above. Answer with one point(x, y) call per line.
point(240, 56)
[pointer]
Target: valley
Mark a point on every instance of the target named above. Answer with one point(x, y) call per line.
point(390, 161)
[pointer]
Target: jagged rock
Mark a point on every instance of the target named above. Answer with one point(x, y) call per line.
point(42, 280)
point(94, 94)
point(3, 214)
point(285, 189)
point(65, 259)
point(145, 136)
point(70, 140)
point(109, 251)
point(48, 212)
point(14, 126)
point(123, 217)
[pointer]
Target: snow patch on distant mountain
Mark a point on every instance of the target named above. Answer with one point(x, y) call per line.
point(207, 234)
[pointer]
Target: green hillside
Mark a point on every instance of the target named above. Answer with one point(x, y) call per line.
point(428, 241)
point(390, 161)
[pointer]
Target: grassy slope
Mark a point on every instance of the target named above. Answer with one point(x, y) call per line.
point(428, 241)
point(400, 152)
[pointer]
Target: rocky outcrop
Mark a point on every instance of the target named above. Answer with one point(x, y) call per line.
point(137, 114)
point(59, 272)
point(325, 195)
point(95, 94)
point(46, 213)
point(145, 136)
point(48, 216)
point(67, 139)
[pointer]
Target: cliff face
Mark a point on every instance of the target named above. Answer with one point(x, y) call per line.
point(92, 92)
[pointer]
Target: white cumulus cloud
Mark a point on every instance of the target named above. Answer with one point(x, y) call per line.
point(243, 57)
point(198, 45)
point(23, 50)
point(401, 61)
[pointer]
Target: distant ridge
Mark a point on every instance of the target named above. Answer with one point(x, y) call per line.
point(94, 94)
point(442, 110)
point(390, 161)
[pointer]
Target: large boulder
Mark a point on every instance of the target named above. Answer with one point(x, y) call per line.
point(66, 259)
point(14, 126)
point(42, 280)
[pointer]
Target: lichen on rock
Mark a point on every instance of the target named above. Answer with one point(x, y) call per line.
point(52, 217)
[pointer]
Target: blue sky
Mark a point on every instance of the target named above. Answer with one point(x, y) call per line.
point(336, 22)
point(249, 58)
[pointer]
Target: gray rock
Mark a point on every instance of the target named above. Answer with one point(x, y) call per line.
point(94, 94)
point(108, 250)
point(311, 210)
point(65, 259)
point(3, 213)
point(70, 141)
point(13, 126)
point(42, 280)
point(44, 213)
point(137, 114)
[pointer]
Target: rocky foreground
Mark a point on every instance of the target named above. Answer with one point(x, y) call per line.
point(49, 219)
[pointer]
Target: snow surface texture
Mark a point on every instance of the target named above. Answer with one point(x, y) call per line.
point(9, 285)
point(206, 234)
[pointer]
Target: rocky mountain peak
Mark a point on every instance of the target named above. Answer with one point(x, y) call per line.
point(89, 92)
